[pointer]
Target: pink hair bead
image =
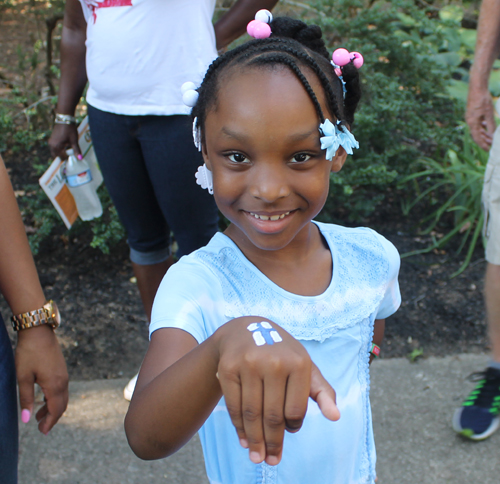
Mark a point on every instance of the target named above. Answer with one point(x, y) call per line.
point(357, 59)
point(338, 71)
point(341, 57)
point(251, 26)
point(258, 29)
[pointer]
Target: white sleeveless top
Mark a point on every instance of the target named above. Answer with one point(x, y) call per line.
point(140, 52)
point(217, 283)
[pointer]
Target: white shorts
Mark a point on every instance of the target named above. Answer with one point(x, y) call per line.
point(491, 202)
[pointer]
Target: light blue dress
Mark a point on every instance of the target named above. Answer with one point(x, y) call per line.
point(217, 283)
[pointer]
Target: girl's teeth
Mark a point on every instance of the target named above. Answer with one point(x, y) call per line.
point(271, 217)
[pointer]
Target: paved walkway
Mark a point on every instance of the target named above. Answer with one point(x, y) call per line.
point(412, 407)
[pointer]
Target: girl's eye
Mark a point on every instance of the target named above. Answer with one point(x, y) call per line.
point(237, 158)
point(300, 157)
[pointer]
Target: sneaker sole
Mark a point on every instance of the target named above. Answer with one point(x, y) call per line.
point(469, 433)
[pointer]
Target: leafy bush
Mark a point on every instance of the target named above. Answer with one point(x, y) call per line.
point(455, 186)
point(406, 111)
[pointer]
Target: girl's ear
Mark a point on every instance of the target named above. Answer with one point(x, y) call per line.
point(205, 155)
point(339, 160)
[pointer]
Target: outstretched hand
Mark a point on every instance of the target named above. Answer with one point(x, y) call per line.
point(39, 360)
point(266, 388)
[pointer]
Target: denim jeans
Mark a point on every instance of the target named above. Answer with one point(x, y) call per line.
point(149, 165)
point(9, 443)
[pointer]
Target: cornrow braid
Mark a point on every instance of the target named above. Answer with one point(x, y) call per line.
point(288, 61)
point(289, 48)
point(305, 49)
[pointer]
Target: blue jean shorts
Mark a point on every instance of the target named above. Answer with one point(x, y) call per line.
point(149, 165)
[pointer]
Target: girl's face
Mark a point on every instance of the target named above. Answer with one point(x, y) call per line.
point(270, 175)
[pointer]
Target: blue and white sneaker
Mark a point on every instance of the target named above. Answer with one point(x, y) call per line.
point(478, 417)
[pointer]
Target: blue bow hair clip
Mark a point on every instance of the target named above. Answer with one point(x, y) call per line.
point(335, 136)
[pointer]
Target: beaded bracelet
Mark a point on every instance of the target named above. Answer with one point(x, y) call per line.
point(375, 351)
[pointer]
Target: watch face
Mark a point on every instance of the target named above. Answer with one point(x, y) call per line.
point(54, 314)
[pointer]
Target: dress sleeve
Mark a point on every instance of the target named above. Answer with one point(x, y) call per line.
point(392, 299)
point(186, 294)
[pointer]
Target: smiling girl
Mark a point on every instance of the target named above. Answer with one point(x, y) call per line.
point(278, 308)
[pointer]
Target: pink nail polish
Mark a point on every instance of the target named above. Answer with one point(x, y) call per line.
point(80, 157)
point(25, 415)
point(255, 457)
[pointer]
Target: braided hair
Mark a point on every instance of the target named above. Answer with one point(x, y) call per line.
point(298, 47)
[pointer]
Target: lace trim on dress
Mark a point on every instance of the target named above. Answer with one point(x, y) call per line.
point(358, 286)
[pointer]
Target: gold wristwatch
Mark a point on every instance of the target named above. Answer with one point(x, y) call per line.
point(47, 314)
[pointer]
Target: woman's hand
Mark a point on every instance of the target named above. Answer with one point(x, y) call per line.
point(266, 387)
point(64, 137)
point(39, 360)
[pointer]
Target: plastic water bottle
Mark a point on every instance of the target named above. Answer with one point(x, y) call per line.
point(78, 179)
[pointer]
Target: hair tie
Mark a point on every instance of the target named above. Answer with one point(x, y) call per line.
point(334, 136)
point(341, 57)
point(259, 28)
point(189, 94)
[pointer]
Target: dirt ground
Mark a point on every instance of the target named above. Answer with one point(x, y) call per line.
point(104, 331)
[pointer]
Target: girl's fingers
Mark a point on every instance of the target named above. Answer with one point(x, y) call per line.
point(231, 389)
point(324, 395)
point(297, 395)
point(274, 418)
point(251, 409)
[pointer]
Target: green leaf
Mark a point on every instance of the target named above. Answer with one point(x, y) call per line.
point(451, 13)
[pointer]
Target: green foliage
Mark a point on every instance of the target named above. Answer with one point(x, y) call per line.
point(406, 111)
point(415, 354)
point(107, 230)
point(455, 186)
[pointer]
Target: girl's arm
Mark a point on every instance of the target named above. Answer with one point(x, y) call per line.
point(378, 334)
point(266, 389)
point(38, 355)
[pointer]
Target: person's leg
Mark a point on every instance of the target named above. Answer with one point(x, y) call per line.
point(120, 158)
point(492, 299)
point(172, 161)
point(148, 280)
point(478, 417)
point(9, 442)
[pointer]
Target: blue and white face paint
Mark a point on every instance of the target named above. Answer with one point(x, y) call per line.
point(264, 334)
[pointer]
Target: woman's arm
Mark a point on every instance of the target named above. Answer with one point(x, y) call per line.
point(38, 355)
point(266, 389)
point(73, 78)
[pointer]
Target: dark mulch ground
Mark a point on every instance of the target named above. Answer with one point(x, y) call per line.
point(104, 333)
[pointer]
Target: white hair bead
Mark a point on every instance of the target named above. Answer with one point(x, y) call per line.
point(190, 98)
point(188, 86)
point(264, 16)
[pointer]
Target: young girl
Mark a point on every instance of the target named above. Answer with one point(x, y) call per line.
point(278, 308)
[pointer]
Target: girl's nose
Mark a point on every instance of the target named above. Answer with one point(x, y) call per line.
point(269, 183)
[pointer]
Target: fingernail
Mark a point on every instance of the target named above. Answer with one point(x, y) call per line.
point(80, 157)
point(272, 460)
point(255, 457)
point(46, 433)
point(244, 443)
point(25, 415)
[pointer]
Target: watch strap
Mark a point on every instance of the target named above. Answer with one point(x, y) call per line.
point(31, 319)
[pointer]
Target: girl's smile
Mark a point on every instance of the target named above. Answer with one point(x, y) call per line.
point(270, 175)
